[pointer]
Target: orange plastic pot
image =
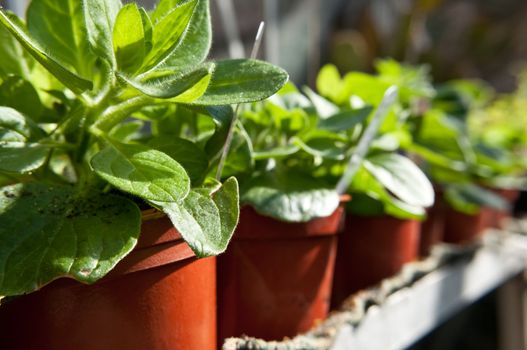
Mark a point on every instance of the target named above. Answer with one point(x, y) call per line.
point(160, 297)
point(274, 281)
point(432, 227)
point(371, 249)
point(461, 228)
point(497, 217)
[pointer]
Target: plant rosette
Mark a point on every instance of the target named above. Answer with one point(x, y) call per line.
point(280, 261)
point(388, 182)
point(75, 168)
point(390, 192)
point(463, 166)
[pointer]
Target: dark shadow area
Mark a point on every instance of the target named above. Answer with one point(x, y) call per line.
point(474, 328)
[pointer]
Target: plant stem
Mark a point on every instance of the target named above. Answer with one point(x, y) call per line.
point(116, 114)
point(355, 161)
point(230, 134)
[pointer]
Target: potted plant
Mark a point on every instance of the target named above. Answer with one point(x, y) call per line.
point(390, 193)
point(275, 278)
point(498, 130)
point(81, 180)
point(457, 164)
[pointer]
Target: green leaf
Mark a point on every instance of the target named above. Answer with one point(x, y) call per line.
point(16, 127)
point(240, 81)
point(206, 222)
point(19, 94)
point(126, 132)
point(323, 107)
point(370, 197)
point(402, 177)
point(129, 39)
point(325, 147)
point(13, 56)
point(186, 153)
point(345, 120)
point(329, 83)
point(61, 30)
point(142, 171)
point(277, 152)
point(52, 232)
point(168, 32)
point(37, 50)
point(20, 157)
point(100, 16)
point(240, 159)
point(469, 198)
point(148, 28)
point(195, 44)
point(290, 196)
point(173, 84)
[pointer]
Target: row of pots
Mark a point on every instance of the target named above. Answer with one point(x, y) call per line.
point(276, 280)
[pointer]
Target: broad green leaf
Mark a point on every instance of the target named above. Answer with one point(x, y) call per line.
point(38, 51)
point(19, 94)
point(323, 107)
point(195, 44)
point(206, 222)
point(174, 84)
point(345, 120)
point(60, 28)
point(168, 33)
point(240, 81)
point(331, 85)
point(402, 210)
point(147, 29)
point(227, 200)
point(401, 177)
point(52, 232)
point(290, 196)
point(142, 171)
point(20, 157)
point(186, 153)
point(370, 197)
point(126, 132)
point(278, 152)
point(13, 56)
point(129, 39)
point(325, 147)
point(163, 8)
point(469, 198)
point(16, 127)
point(100, 16)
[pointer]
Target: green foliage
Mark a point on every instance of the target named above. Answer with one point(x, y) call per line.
point(300, 147)
point(101, 104)
point(57, 231)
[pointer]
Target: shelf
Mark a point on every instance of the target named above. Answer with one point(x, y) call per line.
point(410, 313)
point(405, 308)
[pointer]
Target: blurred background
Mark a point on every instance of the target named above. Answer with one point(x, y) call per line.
point(457, 38)
point(483, 39)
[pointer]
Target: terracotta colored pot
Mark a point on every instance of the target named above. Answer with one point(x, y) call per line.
point(158, 298)
point(463, 228)
point(275, 278)
point(497, 217)
point(432, 227)
point(370, 250)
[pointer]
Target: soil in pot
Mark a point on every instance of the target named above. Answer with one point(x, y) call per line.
point(461, 228)
point(275, 279)
point(160, 297)
point(371, 249)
